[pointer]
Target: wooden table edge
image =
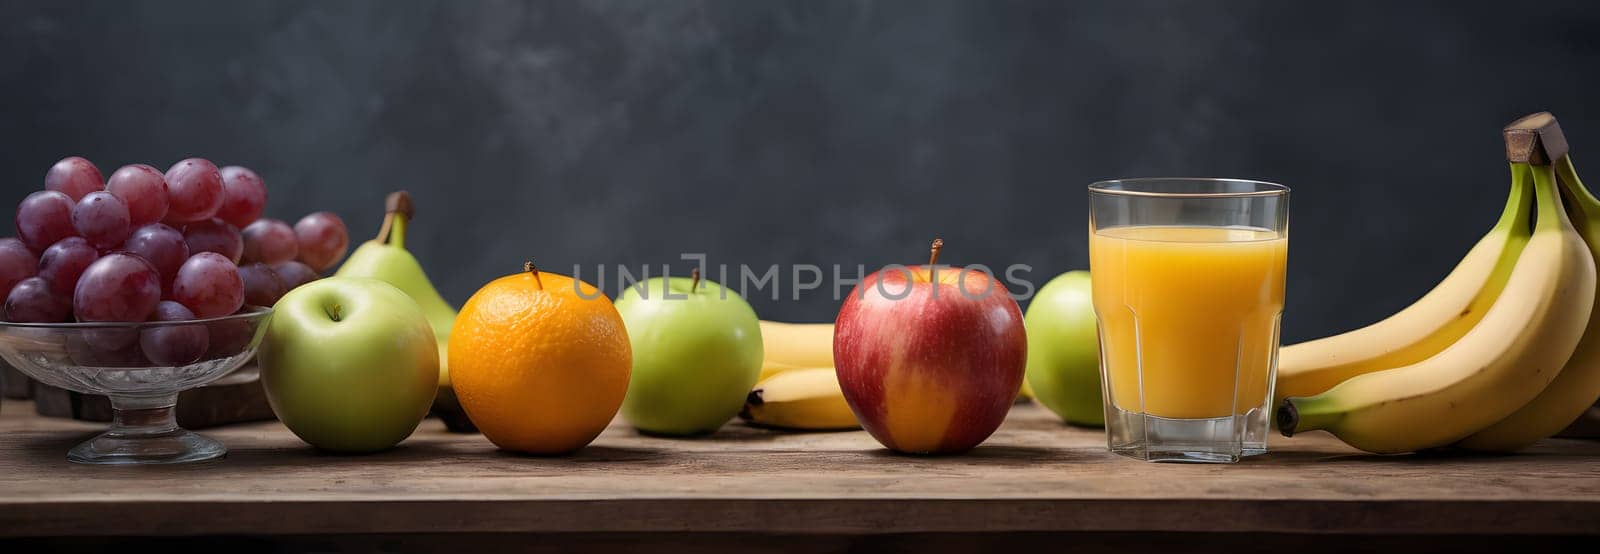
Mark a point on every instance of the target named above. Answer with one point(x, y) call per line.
point(797, 516)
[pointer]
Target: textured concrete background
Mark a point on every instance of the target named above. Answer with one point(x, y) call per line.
point(823, 132)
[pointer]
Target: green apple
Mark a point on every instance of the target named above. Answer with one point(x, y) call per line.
point(1064, 350)
point(696, 354)
point(349, 364)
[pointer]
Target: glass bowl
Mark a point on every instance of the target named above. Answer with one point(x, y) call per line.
point(141, 367)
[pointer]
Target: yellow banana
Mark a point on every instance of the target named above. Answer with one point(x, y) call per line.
point(1423, 329)
point(1026, 392)
point(805, 399)
point(1497, 367)
point(798, 344)
point(1577, 387)
point(770, 368)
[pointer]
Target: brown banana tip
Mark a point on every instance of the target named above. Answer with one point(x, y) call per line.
point(752, 399)
point(1288, 417)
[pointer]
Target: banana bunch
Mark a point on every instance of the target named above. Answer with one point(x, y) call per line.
point(795, 346)
point(1501, 353)
point(798, 388)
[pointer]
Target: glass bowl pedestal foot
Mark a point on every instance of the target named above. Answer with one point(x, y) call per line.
point(144, 430)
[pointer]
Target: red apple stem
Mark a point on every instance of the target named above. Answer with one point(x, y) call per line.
point(694, 280)
point(528, 267)
point(938, 244)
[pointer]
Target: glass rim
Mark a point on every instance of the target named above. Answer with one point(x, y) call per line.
point(1264, 188)
point(249, 312)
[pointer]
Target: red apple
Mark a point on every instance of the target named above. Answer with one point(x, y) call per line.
point(930, 357)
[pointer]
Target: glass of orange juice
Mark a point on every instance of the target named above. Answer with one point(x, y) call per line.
point(1188, 280)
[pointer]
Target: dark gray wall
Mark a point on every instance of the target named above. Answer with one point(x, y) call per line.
point(766, 132)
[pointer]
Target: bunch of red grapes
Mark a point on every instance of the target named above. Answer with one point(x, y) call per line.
point(150, 246)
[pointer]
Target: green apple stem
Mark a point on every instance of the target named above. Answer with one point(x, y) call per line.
point(528, 267)
point(933, 258)
point(694, 280)
point(336, 312)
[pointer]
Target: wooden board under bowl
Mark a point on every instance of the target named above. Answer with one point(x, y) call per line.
point(13, 383)
point(235, 398)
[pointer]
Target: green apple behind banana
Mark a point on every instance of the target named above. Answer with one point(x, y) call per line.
point(385, 258)
point(1063, 350)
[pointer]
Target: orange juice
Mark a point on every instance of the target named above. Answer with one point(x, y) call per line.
point(1188, 315)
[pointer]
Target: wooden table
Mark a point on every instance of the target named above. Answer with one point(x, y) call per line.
point(1034, 480)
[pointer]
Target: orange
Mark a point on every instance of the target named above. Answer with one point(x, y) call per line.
point(537, 366)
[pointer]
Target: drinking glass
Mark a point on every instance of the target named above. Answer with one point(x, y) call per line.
point(1188, 284)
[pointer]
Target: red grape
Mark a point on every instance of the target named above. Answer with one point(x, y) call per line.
point(173, 345)
point(194, 191)
point(294, 274)
point(117, 287)
point(163, 247)
point(262, 286)
point(323, 239)
point(105, 348)
point(43, 218)
point(74, 177)
point(101, 218)
point(17, 262)
point(212, 235)
point(209, 285)
point(143, 189)
point(64, 262)
point(269, 241)
point(32, 302)
point(229, 337)
point(244, 196)
point(114, 343)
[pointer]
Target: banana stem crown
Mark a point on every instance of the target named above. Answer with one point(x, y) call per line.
point(1552, 217)
point(1518, 212)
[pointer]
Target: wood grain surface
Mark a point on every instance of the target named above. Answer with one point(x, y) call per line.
point(1034, 475)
